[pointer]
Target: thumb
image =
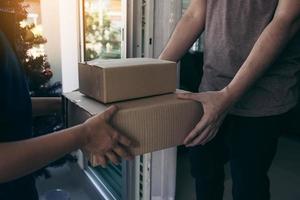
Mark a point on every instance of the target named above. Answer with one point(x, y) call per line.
point(187, 96)
point(107, 115)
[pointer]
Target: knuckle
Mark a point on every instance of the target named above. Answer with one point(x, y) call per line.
point(115, 135)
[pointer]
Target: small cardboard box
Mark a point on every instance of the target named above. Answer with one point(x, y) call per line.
point(154, 123)
point(122, 79)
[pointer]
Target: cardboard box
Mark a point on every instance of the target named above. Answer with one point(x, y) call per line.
point(155, 123)
point(122, 79)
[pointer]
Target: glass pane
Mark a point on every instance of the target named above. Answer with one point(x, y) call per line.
point(103, 29)
point(197, 46)
point(185, 4)
point(111, 176)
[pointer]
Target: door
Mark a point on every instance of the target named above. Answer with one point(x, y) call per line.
point(103, 27)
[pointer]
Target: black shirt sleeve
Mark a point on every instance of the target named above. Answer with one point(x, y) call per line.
point(15, 102)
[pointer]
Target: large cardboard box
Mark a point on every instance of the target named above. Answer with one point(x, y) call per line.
point(122, 79)
point(153, 123)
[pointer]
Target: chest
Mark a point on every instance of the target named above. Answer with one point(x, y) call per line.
point(234, 9)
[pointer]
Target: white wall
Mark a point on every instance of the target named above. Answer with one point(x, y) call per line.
point(60, 20)
point(70, 51)
point(51, 31)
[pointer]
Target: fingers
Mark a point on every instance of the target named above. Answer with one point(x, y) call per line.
point(206, 136)
point(87, 153)
point(100, 160)
point(195, 132)
point(214, 132)
point(121, 139)
point(188, 96)
point(112, 157)
point(200, 138)
point(107, 115)
point(200, 97)
point(115, 135)
point(122, 152)
point(124, 141)
point(119, 145)
point(211, 137)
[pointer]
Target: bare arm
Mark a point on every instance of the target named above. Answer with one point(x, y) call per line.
point(21, 158)
point(95, 135)
point(272, 41)
point(45, 105)
point(277, 34)
point(188, 29)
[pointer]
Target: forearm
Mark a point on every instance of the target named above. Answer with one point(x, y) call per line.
point(265, 51)
point(24, 157)
point(188, 29)
point(45, 105)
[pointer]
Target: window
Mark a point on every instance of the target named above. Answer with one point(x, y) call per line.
point(102, 26)
point(198, 44)
point(185, 4)
point(111, 177)
point(103, 22)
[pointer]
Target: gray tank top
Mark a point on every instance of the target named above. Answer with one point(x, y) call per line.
point(232, 28)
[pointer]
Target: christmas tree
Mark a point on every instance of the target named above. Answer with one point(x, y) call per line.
point(37, 68)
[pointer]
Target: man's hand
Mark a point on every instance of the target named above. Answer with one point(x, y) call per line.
point(103, 141)
point(215, 106)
